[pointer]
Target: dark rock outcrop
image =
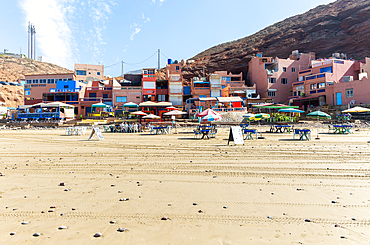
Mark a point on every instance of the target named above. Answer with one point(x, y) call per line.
point(339, 27)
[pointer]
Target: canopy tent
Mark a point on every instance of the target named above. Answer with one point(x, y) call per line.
point(356, 109)
point(318, 115)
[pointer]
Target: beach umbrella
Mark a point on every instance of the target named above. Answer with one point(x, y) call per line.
point(356, 109)
point(171, 108)
point(151, 116)
point(290, 110)
point(100, 105)
point(174, 113)
point(211, 118)
point(206, 113)
point(139, 113)
point(260, 116)
point(319, 115)
point(248, 115)
point(130, 105)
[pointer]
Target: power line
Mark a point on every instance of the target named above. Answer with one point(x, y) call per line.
point(132, 63)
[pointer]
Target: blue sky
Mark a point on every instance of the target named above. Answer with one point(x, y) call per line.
point(108, 31)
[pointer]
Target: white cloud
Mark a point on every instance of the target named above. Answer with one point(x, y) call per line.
point(137, 30)
point(53, 35)
point(146, 19)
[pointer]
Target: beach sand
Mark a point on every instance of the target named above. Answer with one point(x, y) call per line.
point(261, 193)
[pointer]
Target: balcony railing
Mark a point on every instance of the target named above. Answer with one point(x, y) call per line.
point(98, 99)
point(99, 88)
point(64, 90)
point(175, 91)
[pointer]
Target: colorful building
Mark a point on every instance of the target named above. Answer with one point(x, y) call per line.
point(273, 77)
point(38, 84)
point(175, 83)
point(88, 73)
point(334, 82)
point(149, 84)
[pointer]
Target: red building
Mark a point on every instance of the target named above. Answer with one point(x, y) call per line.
point(149, 84)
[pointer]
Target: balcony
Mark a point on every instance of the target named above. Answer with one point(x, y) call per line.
point(98, 88)
point(64, 90)
point(161, 91)
point(175, 91)
point(96, 99)
point(202, 91)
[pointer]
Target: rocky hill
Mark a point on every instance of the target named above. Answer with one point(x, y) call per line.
point(12, 69)
point(339, 27)
point(11, 96)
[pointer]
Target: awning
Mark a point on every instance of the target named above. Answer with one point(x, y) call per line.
point(153, 104)
point(272, 89)
point(229, 99)
point(208, 99)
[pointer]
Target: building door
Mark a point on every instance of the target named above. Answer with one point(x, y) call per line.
point(339, 98)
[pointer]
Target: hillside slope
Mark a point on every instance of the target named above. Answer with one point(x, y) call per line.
point(12, 69)
point(342, 26)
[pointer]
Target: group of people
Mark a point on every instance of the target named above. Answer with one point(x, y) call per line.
point(132, 127)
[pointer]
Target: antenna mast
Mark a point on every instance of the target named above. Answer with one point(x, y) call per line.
point(159, 59)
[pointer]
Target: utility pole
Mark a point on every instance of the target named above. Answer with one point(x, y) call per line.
point(159, 59)
point(122, 69)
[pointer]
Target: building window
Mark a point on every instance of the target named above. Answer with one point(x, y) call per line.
point(80, 73)
point(272, 80)
point(293, 69)
point(271, 93)
point(284, 80)
point(65, 86)
point(98, 73)
point(122, 99)
point(92, 95)
point(42, 80)
point(50, 81)
point(321, 85)
point(177, 68)
point(313, 86)
point(284, 69)
point(105, 96)
point(27, 92)
point(294, 93)
point(35, 81)
point(349, 93)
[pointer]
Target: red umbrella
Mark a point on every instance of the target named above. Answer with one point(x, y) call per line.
point(171, 108)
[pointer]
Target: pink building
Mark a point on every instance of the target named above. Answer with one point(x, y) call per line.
point(273, 77)
point(334, 82)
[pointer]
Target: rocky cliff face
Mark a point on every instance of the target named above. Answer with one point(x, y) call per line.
point(11, 96)
point(12, 69)
point(339, 27)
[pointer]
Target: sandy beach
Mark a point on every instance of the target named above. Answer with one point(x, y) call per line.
point(270, 191)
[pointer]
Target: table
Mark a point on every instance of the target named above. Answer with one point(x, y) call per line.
point(342, 129)
point(205, 133)
point(159, 130)
point(303, 133)
point(244, 125)
point(249, 134)
point(280, 128)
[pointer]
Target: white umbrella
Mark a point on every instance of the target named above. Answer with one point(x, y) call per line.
point(151, 116)
point(174, 113)
point(356, 109)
